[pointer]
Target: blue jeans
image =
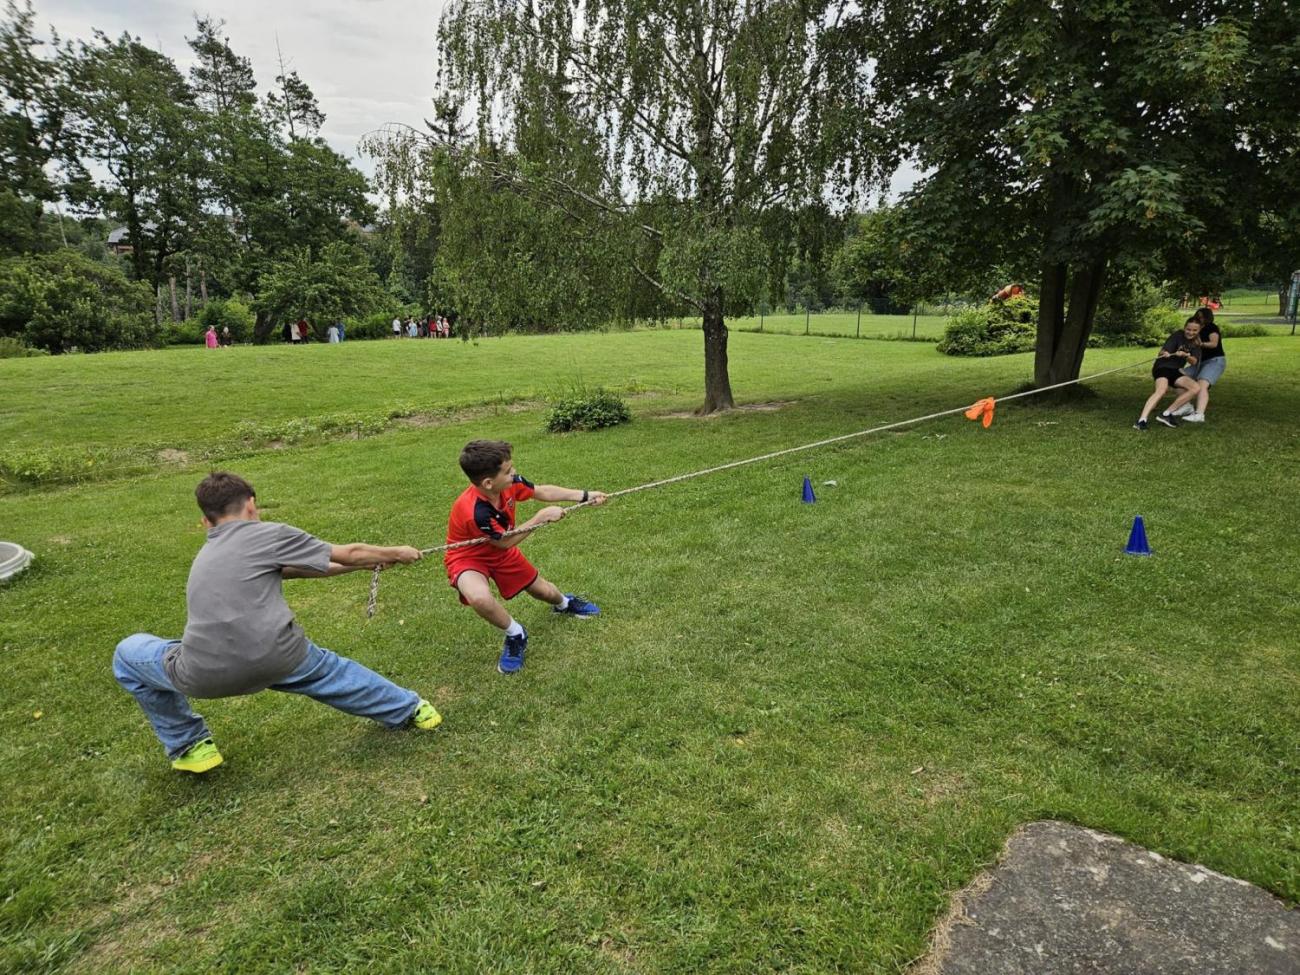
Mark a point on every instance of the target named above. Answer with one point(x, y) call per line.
point(323, 675)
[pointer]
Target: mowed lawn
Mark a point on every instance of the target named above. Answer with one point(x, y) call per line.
point(794, 730)
point(843, 324)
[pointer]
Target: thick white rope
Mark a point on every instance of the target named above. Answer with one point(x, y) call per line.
point(374, 579)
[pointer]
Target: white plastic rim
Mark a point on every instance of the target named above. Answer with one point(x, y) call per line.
point(13, 559)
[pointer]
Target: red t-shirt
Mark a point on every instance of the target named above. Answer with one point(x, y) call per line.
point(474, 516)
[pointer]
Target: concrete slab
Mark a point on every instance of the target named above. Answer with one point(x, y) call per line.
point(1065, 900)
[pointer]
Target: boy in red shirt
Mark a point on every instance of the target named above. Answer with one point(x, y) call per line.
point(486, 510)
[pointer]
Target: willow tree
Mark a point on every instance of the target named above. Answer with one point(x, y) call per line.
point(689, 122)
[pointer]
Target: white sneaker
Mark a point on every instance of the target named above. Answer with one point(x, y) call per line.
point(1187, 409)
point(1193, 418)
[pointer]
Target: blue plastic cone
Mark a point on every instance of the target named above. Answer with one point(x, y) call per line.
point(808, 496)
point(1137, 539)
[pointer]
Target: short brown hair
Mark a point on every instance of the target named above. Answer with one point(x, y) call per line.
point(483, 458)
point(222, 493)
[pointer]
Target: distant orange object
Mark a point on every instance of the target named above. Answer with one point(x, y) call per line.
point(982, 410)
point(1010, 291)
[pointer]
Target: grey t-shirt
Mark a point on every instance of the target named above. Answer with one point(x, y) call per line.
point(240, 635)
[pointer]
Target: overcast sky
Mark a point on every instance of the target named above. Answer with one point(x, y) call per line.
point(369, 62)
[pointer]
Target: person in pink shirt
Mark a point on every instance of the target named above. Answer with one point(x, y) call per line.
point(211, 337)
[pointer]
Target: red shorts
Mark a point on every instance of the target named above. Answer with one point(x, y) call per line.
point(506, 567)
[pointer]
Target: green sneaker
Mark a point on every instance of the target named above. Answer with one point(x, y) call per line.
point(199, 757)
point(426, 717)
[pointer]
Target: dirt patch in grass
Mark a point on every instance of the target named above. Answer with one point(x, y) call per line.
point(124, 932)
point(171, 455)
point(768, 407)
point(442, 419)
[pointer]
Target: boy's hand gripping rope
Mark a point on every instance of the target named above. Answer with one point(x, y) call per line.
point(981, 410)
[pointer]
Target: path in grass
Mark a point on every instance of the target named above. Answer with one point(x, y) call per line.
point(792, 733)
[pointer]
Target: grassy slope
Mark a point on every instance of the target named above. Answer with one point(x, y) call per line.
point(721, 773)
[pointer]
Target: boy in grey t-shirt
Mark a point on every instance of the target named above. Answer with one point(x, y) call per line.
point(240, 635)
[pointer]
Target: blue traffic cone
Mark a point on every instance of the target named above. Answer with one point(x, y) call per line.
point(1137, 539)
point(808, 496)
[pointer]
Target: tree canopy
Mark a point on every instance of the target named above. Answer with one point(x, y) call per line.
point(1065, 137)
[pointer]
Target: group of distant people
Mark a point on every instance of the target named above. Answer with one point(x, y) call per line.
point(432, 327)
point(300, 331)
point(212, 340)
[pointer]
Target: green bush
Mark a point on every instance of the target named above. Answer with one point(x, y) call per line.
point(1133, 311)
point(587, 410)
point(998, 328)
point(228, 313)
point(377, 325)
point(13, 348)
point(1247, 331)
point(63, 301)
point(189, 332)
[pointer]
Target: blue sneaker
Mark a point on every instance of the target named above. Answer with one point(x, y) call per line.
point(512, 654)
point(578, 607)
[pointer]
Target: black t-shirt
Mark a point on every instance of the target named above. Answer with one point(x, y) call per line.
point(1206, 332)
point(1177, 342)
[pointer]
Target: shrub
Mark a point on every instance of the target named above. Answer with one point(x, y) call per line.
point(228, 313)
point(188, 332)
point(998, 328)
point(584, 409)
point(13, 348)
point(376, 325)
point(63, 300)
point(1247, 331)
point(1133, 311)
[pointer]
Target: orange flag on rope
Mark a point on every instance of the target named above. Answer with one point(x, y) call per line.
point(982, 408)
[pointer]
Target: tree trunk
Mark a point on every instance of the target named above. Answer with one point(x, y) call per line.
point(262, 328)
point(176, 308)
point(717, 380)
point(1282, 309)
point(1063, 331)
point(189, 288)
point(157, 304)
point(1051, 321)
point(203, 283)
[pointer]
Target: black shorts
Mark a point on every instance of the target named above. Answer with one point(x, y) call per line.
point(1173, 375)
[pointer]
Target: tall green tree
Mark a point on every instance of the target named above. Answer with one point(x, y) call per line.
point(332, 284)
point(683, 122)
point(140, 127)
point(295, 105)
point(1075, 135)
point(35, 138)
point(279, 189)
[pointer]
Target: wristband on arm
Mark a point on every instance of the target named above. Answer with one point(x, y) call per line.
point(584, 495)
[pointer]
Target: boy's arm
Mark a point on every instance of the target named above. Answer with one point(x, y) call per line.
point(358, 555)
point(551, 492)
point(545, 516)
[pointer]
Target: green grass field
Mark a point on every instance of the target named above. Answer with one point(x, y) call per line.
point(846, 324)
point(792, 734)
